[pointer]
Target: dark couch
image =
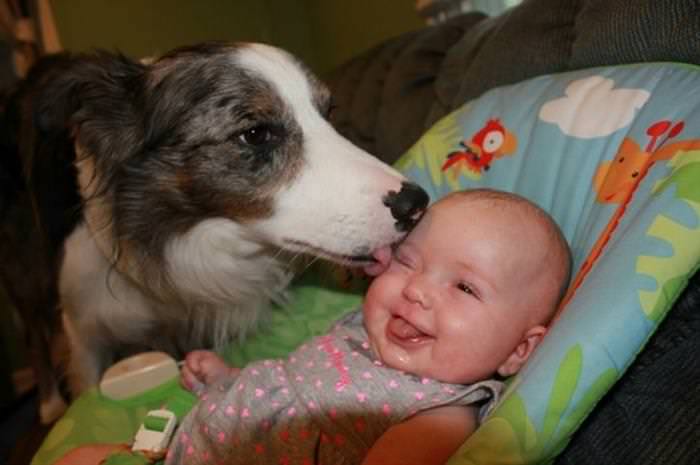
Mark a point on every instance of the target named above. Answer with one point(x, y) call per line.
point(389, 96)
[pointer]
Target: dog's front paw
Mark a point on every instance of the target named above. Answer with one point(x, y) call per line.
point(51, 409)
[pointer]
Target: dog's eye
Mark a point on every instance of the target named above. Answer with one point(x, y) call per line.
point(257, 135)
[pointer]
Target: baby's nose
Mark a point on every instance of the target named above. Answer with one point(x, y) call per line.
point(418, 293)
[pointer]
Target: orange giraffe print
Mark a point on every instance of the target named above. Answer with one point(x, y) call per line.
point(616, 181)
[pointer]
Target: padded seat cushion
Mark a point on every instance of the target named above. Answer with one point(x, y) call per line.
point(613, 154)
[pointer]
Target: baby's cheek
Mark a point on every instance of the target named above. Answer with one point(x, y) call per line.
point(375, 302)
point(372, 326)
point(390, 287)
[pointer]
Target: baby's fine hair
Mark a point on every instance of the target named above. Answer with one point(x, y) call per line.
point(551, 227)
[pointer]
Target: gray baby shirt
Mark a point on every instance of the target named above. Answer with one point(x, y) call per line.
point(327, 403)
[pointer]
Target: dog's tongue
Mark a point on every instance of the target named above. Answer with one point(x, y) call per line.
point(382, 257)
point(403, 329)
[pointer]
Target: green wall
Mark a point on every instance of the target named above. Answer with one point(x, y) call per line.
point(323, 33)
point(345, 28)
point(150, 27)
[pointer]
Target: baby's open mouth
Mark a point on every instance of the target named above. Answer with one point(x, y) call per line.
point(404, 332)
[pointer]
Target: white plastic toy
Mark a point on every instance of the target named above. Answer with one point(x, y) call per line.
point(137, 374)
point(154, 434)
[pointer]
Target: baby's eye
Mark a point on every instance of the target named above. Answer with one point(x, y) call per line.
point(466, 288)
point(402, 260)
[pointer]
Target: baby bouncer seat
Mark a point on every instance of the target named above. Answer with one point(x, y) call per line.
point(613, 154)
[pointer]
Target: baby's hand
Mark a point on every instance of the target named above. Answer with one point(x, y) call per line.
point(202, 368)
point(382, 259)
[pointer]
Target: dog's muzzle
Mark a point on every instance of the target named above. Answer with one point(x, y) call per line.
point(407, 205)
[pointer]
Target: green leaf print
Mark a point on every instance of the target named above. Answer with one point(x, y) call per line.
point(431, 149)
point(671, 273)
point(563, 390)
point(509, 435)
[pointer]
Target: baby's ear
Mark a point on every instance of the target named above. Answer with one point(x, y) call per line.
point(527, 345)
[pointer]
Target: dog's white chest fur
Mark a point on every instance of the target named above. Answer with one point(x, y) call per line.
point(225, 285)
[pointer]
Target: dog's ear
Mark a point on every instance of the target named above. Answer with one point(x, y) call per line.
point(96, 98)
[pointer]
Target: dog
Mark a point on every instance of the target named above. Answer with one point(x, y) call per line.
point(168, 200)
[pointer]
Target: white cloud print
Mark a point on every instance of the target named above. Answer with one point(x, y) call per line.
point(592, 108)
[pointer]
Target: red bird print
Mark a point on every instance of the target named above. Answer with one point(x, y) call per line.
point(488, 143)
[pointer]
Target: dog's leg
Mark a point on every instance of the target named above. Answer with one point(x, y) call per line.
point(103, 313)
point(27, 279)
point(87, 362)
point(39, 335)
point(51, 403)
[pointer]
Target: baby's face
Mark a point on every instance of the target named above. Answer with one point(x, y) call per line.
point(460, 292)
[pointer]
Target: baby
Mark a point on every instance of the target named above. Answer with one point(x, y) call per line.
point(462, 302)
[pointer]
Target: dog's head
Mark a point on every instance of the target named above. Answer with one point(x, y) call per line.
point(234, 134)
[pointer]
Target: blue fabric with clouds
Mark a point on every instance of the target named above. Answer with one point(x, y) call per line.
point(614, 155)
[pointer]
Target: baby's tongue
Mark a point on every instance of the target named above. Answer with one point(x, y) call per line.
point(403, 329)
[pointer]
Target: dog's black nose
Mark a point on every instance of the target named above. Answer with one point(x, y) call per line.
point(407, 205)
